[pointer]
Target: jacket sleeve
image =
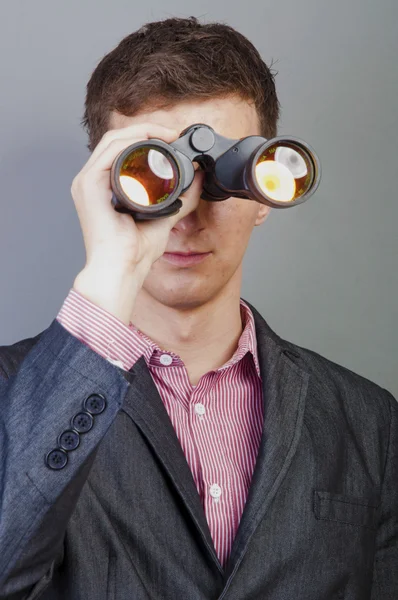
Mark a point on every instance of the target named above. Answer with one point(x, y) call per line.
point(385, 572)
point(62, 395)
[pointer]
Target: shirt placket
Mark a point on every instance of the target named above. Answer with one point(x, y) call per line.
point(205, 423)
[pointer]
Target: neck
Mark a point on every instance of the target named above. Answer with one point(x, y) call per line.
point(205, 337)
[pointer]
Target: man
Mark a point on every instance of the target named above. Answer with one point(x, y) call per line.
point(158, 439)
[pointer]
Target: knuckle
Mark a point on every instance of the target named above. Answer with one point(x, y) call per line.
point(75, 184)
point(79, 185)
point(116, 142)
point(109, 135)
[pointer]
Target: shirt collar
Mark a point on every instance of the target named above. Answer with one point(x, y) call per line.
point(142, 345)
point(247, 341)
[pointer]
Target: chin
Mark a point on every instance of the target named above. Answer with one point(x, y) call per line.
point(180, 301)
point(185, 289)
point(179, 296)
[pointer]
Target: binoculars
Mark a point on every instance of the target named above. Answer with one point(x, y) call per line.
point(148, 177)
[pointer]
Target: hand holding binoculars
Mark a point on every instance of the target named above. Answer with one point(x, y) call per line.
point(148, 177)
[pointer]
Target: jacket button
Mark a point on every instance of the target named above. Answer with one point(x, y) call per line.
point(95, 404)
point(69, 440)
point(82, 422)
point(56, 459)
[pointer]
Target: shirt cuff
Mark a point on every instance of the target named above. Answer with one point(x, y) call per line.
point(100, 330)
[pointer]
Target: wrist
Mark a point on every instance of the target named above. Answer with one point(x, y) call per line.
point(114, 289)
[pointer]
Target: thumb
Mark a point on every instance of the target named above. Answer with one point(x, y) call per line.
point(190, 199)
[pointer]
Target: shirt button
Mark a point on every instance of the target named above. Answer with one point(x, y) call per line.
point(215, 491)
point(200, 409)
point(166, 359)
point(117, 363)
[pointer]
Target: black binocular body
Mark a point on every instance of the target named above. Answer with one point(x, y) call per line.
point(148, 177)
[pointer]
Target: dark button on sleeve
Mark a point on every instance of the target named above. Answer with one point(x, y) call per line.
point(56, 459)
point(95, 404)
point(82, 422)
point(69, 440)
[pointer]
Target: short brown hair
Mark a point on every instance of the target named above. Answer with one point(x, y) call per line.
point(174, 60)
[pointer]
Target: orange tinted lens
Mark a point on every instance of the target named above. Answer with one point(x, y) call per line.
point(284, 172)
point(148, 176)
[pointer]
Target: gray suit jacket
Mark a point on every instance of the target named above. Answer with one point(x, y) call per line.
point(122, 519)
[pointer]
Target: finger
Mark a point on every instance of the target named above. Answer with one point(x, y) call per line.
point(137, 132)
point(190, 199)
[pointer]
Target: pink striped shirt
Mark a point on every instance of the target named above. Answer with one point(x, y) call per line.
point(218, 422)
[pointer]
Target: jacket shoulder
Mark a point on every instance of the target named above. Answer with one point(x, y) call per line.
point(330, 380)
point(12, 355)
point(333, 372)
point(345, 384)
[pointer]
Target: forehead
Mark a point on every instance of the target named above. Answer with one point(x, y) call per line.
point(232, 116)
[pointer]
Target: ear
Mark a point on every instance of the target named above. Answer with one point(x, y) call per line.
point(263, 212)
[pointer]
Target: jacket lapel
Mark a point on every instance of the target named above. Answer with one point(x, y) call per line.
point(145, 406)
point(284, 393)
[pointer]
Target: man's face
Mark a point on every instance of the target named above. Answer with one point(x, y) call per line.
point(221, 228)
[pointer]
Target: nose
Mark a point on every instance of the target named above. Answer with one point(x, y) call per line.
point(192, 221)
point(188, 224)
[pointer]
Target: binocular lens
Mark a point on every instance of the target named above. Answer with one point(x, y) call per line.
point(148, 175)
point(292, 160)
point(284, 172)
point(160, 164)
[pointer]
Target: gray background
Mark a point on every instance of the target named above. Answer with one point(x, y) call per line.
point(323, 274)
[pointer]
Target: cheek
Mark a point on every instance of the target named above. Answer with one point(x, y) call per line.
point(232, 221)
